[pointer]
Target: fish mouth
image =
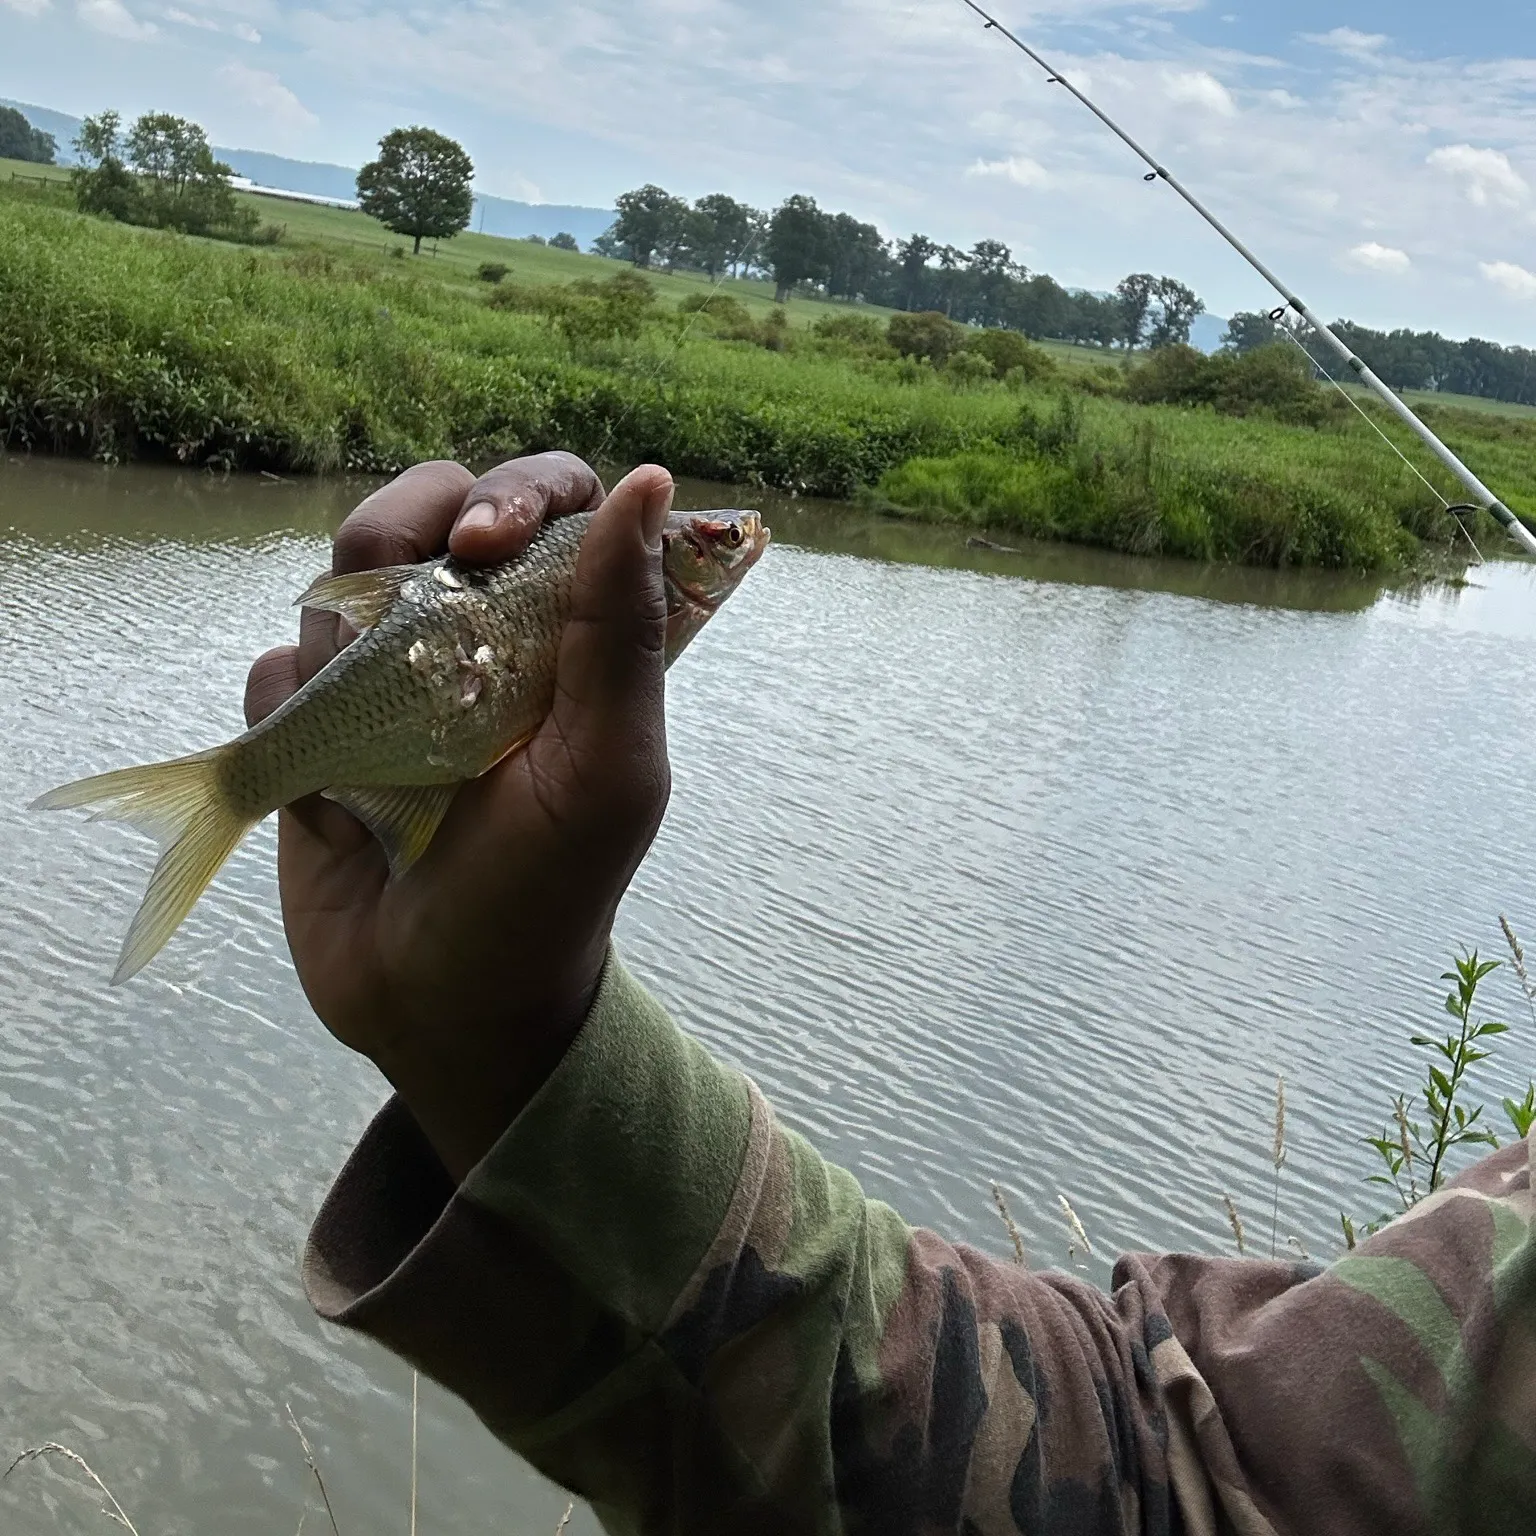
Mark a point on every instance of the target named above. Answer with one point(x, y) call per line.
point(755, 539)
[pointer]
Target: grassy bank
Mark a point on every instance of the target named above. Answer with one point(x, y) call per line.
point(124, 343)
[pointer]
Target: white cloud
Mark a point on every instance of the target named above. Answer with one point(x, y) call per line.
point(115, 19)
point(28, 7)
point(1019, 169)
point(1284, 100)
point(1373, 257)
point(1486, 174)
point(1197, 88)
point(1347, 40)
point(1517, 282)
point(241, 29)
point(261, 89)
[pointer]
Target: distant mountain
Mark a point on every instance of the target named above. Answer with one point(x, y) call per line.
point(1207, 331)
point(493, 215)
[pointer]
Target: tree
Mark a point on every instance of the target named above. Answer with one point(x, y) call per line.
point(1247, 331)
point(912, 258)
point(1177, 307)
point(98, 139)
point(1135, 296)
point(650, 219)
point(162, 173)
point(419, 185)
point(857, 259)
point(608, 244)
point(564, 242)
point(102, 182)
point(181, 185)
point(719, 232)
point(797, 244)
point(993, 275)
point(19, 140)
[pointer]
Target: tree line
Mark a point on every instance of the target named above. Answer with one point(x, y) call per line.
point(19, 140)
point(1409, 359)
point(801, 246)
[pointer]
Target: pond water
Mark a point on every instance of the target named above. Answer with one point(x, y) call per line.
point(1060, 859)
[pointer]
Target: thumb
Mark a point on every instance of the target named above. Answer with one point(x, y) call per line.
point(608, 714)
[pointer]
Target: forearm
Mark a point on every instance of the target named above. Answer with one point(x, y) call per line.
point(680, 1311)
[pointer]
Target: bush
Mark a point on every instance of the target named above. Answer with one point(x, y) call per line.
point(727, 317)
point(1009, 352)
point(927, 335)
point(1100, 380)
point(967, 370)
point(564, 242)
point(491, 271)
point(1274, 380)
point(854, 333)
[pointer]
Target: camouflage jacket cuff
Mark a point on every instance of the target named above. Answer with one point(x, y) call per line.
point(587, 1219)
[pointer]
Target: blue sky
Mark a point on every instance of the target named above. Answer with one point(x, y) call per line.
point(1381, 156)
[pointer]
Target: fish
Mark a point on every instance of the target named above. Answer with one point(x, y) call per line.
point(452, 671)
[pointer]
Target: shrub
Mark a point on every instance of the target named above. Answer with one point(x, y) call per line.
point(927, 335)
point(1009, 352)
point(492, 271)
point(1100, 380)
point(564, 242)
point(1274, 380)
point(728, 317)
point(967, 370)
point(854, 333)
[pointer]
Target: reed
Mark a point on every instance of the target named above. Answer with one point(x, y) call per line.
point(314, 1467)
point(1075, 1229)
point(1277, 1157)
point(114, 1511)
point(1236, 1223)
point(1517, 954)
point(1010, 1226)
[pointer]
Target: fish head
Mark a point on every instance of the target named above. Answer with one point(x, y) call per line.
point(704, 556)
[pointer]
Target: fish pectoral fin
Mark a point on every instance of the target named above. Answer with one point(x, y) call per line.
point(362, 598)
point(404, 818)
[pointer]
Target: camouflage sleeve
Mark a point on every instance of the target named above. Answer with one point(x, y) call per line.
point(671, 1305)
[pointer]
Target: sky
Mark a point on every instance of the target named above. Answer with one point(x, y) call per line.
point(1381, 157)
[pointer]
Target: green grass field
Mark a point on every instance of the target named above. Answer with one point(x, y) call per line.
point(118, 342)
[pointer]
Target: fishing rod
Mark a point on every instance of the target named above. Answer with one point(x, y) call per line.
point(1484, 497)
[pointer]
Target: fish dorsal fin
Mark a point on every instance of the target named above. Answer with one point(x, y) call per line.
point(404, 818)
point(362, 598)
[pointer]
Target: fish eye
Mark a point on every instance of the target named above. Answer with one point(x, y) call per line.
point(733, 534)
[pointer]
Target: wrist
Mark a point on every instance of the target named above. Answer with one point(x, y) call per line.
point(465, 1086)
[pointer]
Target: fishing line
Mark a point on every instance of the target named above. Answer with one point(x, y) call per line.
point(1375, 426)
point(1277, 317)
point(1486, 500)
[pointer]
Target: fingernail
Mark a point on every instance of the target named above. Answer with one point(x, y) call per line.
point(654, 518)
point(480, 518)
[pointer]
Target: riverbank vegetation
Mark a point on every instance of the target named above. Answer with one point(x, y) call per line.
point(118, 342)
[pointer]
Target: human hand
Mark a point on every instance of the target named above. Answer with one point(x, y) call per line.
point(466, 980)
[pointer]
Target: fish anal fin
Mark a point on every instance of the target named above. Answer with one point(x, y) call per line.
point(362, 598)
point(404, 818)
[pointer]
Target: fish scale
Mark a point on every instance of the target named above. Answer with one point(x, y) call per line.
point(453, 668)
point(375, 716)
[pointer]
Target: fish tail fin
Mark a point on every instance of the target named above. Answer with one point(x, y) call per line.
point(181, 803)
